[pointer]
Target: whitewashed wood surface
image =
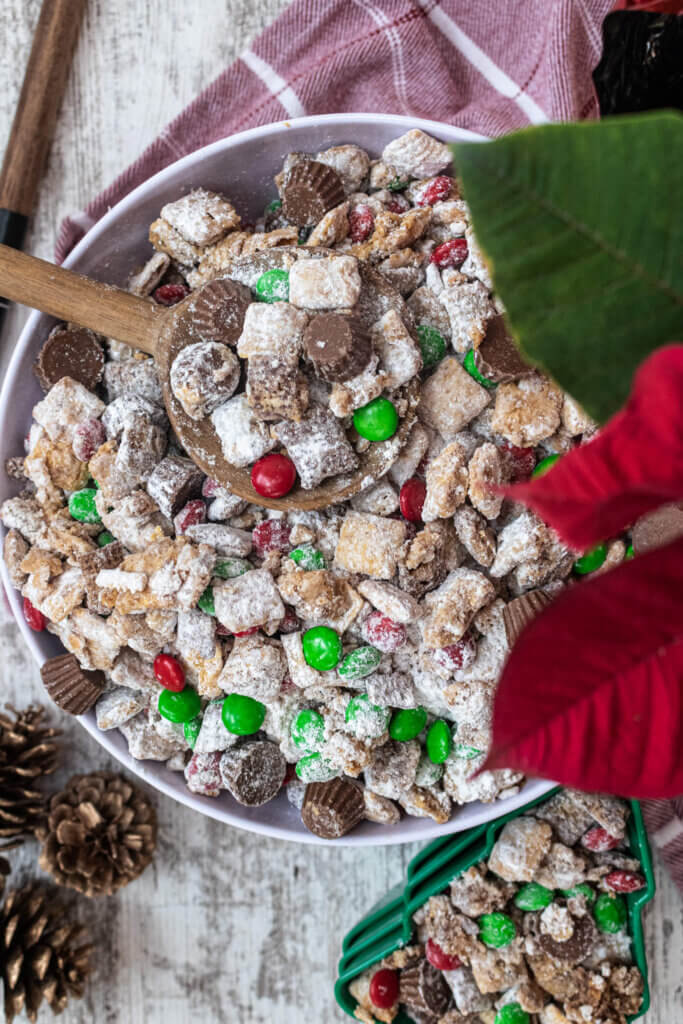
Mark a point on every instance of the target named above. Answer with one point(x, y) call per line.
point(224, 926)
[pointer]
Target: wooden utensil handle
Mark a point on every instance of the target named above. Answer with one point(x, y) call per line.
point(41, 94)
point(69, 296)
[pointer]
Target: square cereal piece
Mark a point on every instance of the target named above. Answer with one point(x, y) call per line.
point(417, 154)
point(213, 735)
point(527, 410)
point(562, 868)
point(411, 454)
point(399, 356)
point(381, 499)
point(498, 969)
point(317, 446)
point(244, 438)
point(255, 667)
point(522, 540)
point(329, 283)
point(272, 329)
point(135, 519)
point(568, 818)
point(447, 479)
point(393, 768)
point(117, 706)
point(456, 934)
point(351, 163)
point(201, 217)
point(248, 600)
point(173, 482)
point(226, 540)
point(474, 894)
point(276, 390)
point(370, 544)
point(133, 377)
point(429, 311)
point(146, 280)
point(451, 399)
point(145, 743)
point(519, 849)
point(486, 471)
point(469, 309)
point(359, 390)
point(132, 672)
point(65, 405)
point(390, 600)
point(166, 239)
point(300, 672)
point(196, 633)
point(452, 606)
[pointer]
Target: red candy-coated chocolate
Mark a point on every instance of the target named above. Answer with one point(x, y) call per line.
point(190, 515)
point(398, 205)
point(270, 535)
point(384, 988)
point(248, 632)
point(88, 436)
point(624, 881)
point(169, 672)
point(411, 499)
point(34, 618)
point(598, 840)
point(273, 476)
point(456, 656)
point(520, 462)
point(169, 294)
point(203, 774)
point(438, 189)
point(361, 223)
point(291, 622)
point(383, 633)
point(437, 958)
point(210, 488)
point(450, 254)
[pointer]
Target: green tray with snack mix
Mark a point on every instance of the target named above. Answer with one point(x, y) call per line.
point(389, 925)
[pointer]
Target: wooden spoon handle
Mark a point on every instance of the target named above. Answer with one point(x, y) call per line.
point(69, 296)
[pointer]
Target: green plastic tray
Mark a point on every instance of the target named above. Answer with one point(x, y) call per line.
point(388, 926)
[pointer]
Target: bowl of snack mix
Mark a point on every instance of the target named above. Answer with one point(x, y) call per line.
point(313, 675)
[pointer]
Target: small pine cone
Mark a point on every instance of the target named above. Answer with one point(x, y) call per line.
point(43, 955)
point(27, 751)
point(99, 835)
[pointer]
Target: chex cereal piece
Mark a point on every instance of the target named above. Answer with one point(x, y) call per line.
point(390, 600)
point(135, 520)
point(452, 606)
point(203, 376)
point(331, 229)
point(411, 455)
point(14, 550)
point(132, 672)
point(196, 633)
point(561, 868)
point(451, 399)
point(226, 540)
point(528, 410)
point(66, 404)
point(609, 811)
point(520, 541)
point(496, 969)
point(519, 849)
point(381, 499)
point(421, 802)
point(486, 472)
point(351, 163)
point(201, 217)
point(273, 329)
point(145, 743)
point(117, 706)
point(141, 448)
point(203, 673)
point(475, 534)
point(359, 390)
point(379, 809)
point(370, 544)
point(447, 479)
point(145, 280)
point(166, 239)
point(52, 467)
point(574, 420)
point(131, 581)
point(248, 600)
point(393, 768)
point(276, 390)
point(125, 408)
point(329, 283)
point(469, 309)
point(320, 597)
point(474, 894)
point(300, 672)
point(475, 265)
point(567, 816)
point(244, 438)
point(428, 310)
point(395, 231)
point(213, 735)
point(173, 482)
point(317, 446)
point(134, 377)
point(454, 933)
point(417, 154)
point(176, 571)
point(399, 356)
point(255, 668)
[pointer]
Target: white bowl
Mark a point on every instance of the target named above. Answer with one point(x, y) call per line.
point(243, 166)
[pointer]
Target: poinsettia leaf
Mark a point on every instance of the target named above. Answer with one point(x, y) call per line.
point(632, 466)
point(592, 693)
point(583, 227)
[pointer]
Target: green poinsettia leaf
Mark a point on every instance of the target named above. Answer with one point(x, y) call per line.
point(582, 225)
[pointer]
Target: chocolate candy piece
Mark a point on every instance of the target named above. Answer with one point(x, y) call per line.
point(424, 989)
point(658, 528)
point(338, 346)
point(72, 688)
point(498, 358)
point(217, 310)
point(310, 190)
point(523, 610)
point(254, 772)
point(577, 947)
point(70, 352)
point(173, 482)
point(331, 809)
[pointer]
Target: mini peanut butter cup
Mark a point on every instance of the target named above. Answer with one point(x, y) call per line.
point(70, 352)
point(523, 610)
point(577, 947)
point(254, 772)
point(338, 346)
point(331, 809)
point(424, 989)
point(497, 358)
point(309, 191)
point(217, 310)
point(71, 687)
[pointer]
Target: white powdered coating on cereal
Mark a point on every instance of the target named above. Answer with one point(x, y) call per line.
point(330, 283)
point(120, 580)
point(243, 437)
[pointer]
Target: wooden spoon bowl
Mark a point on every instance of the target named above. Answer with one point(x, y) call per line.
point(163, 332)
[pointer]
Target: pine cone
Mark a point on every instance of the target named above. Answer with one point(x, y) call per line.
point(99, 835)
point(43, 955)
point(27, 751)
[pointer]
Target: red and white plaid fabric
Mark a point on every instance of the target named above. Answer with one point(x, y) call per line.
point(490, 67)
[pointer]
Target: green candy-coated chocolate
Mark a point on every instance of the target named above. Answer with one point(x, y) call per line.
point(82, 506)
point(428, 773)
point(471, 368)
point(191, 730)
point(630, 553)
point(398, 183)
point(610, 913)
point(322, 648)
point(544, 465)
point(582, 889)
point(179, 707)
point(273, 205)
point(105, 538)
point(314, 768)
point(467, 752)
point(533, 896)
point(360, 663)
point(407, 724)
point(242, 715)
point(365, 719)
point(205, 602)
point(512, 1013)
point(439, 741)
point(496, 930)
point(273, 286)
point(591, 561)
point(308, 557)
point(308, 730)
point(432, 345)
point(376, 421)
point(229, 568)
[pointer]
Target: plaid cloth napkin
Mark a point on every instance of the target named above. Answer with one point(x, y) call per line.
point(489, 67)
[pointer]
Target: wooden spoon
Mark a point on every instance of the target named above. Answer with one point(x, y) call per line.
point(161, 332)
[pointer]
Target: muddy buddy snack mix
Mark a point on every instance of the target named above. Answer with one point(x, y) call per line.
point(535, 934)
point(348, 656)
